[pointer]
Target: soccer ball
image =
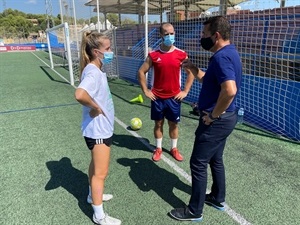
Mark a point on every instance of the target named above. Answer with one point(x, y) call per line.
point(135, 123)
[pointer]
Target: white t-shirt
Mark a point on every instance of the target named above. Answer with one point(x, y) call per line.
point(94, 81)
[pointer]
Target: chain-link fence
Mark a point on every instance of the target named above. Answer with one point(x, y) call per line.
point(266, 34)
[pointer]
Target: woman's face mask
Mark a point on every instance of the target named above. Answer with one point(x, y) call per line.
point(107, 57)
point(169, 40)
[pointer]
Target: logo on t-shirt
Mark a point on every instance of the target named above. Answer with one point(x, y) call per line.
point(158, 60)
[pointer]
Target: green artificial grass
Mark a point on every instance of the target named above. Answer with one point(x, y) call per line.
point(44, 159)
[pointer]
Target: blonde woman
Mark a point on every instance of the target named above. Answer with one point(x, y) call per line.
point(97, 117)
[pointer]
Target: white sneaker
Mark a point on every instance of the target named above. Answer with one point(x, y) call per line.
point(105, 198)
point(107, 220)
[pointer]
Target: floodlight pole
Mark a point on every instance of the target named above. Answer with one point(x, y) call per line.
point(75, 24)
point(172, 13)
point(146, 28)
point(61, 12)
point(223, 8)
point(62, 20)
point(146, 32)
point(161, 14)
point(98, 16)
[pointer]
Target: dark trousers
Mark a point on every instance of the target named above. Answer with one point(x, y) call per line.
point(208, 149)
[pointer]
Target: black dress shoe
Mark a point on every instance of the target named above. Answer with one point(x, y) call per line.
point(184, 214)
point(210, 200)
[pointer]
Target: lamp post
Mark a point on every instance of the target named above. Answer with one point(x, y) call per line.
point(61, 12)
point(75, 27)
point(66, 6)
point(98, 16)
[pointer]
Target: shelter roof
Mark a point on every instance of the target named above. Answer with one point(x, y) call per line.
point(156, 6)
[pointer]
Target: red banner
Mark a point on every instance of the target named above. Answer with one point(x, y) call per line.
point(20, 48)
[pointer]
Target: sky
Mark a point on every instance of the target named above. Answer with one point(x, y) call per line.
point(85, 12)
point(39, 7)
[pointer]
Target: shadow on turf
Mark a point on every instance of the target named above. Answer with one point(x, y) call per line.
point(128, 101)
point(50, 77)
point(148, 176)
point(130, 142)
point(64, 175)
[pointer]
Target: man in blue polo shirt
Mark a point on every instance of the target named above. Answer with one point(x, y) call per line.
point(220, 85)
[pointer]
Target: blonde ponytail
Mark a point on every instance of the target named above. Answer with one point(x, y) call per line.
point(90, 40)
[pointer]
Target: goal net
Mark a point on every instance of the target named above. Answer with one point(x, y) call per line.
point(64, 52)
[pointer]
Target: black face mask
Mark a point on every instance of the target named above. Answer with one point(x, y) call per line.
point(207, 43)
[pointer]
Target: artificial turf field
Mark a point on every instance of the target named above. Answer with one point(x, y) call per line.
point(44, 159)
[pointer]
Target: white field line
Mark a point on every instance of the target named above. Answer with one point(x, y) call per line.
point(234, 215)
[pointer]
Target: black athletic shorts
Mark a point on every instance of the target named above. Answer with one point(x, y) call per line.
point(90, 142)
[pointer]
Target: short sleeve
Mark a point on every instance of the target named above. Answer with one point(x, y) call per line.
point(182, 55)
point(88, 83)
point(225, 70)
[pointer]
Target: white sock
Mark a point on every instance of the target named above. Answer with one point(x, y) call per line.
point(173, 143)
point(90, 191)
point(158, 142)
point(99, 212)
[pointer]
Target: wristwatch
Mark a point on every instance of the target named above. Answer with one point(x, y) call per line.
point(213, 118)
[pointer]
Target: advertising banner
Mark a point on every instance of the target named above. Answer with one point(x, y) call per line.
point(20, 48)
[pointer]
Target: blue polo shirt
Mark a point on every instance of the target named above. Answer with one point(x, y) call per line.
point(224, 65)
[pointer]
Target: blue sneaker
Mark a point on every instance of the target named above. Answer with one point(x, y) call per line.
point(210, 200)
point(184, 214)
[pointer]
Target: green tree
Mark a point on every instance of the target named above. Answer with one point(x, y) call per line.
point(113, 19)
point(94, 19)
point(128, 21)
point(81, 21)
point(17, 24)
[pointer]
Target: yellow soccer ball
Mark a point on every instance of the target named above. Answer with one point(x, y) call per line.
point(136, 123)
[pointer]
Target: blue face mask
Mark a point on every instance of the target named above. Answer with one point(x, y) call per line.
point(169, 40)
point(107, 57)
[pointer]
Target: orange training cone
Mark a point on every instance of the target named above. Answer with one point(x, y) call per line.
point(138, 99)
